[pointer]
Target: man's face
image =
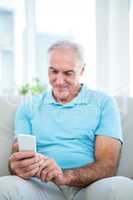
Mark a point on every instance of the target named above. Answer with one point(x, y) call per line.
point(64, 73)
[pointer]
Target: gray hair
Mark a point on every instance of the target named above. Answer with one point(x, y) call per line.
point(77, 48)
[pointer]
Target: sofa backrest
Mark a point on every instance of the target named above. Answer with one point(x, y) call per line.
point(7, 113)
point(8, 108)
point(126, 160)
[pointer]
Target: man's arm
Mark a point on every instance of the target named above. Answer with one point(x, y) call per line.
point(107, 151)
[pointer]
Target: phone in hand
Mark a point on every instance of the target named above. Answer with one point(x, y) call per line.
point(26, 142)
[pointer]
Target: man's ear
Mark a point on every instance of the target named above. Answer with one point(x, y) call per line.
point(82, 70)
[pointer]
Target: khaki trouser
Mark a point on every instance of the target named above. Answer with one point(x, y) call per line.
point(15, 188)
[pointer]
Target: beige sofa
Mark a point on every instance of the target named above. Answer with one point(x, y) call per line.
point(7, 112)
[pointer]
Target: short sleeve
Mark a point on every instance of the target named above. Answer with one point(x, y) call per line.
point(22, 120)
point(109, 122)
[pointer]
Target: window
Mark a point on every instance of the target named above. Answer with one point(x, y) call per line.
point(28, 27)
point(6, 48)
point(131, 46)
point(12, 25)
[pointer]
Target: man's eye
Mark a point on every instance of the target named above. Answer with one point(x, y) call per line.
point(53, 71)
point(68, 73)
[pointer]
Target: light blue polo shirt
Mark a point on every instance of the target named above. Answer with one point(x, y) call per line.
point(67, 133)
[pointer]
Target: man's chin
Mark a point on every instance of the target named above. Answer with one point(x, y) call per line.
point(62, 96)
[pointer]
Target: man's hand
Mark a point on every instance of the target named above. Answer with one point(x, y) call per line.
point(24, 164)
point(61, 179)
point(50, 171)
point(28, 164)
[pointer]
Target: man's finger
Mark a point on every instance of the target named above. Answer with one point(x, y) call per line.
point(50, 175)
point(44, 174)
point(27, 162)
point(29, 174)
point(22, 155)
point(15, 147)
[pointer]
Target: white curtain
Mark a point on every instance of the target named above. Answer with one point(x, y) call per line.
point(112, 39)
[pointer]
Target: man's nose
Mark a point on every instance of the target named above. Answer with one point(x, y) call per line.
point(60, 78)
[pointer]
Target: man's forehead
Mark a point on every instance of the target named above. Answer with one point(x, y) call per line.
point(63, 68)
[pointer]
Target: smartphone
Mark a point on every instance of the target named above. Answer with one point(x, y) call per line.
point(26, 142)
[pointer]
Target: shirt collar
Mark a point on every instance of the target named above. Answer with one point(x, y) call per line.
point(81, 98)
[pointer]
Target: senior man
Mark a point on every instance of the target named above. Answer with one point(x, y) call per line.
point(78, 135)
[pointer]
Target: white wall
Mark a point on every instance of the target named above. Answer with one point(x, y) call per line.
point(112, 40)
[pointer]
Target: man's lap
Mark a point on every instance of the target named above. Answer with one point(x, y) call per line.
point(119, 188)
point(19, 189)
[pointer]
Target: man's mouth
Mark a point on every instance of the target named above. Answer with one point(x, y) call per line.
point(62, 88)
